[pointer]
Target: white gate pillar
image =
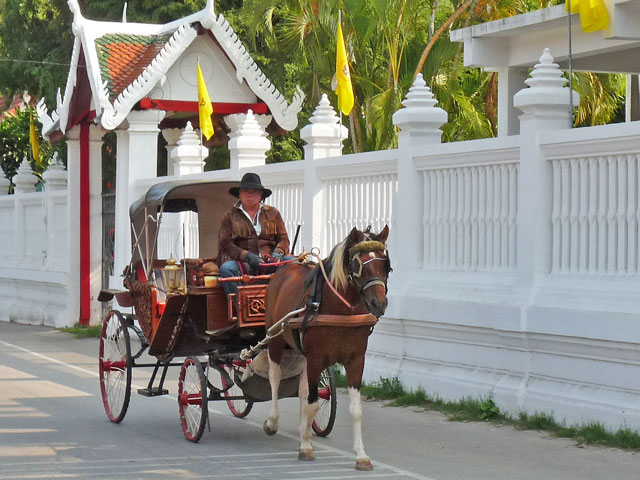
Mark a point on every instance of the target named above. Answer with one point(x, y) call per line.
point(171, 135)
point(323, 138)
point(188, 156)
point(546, 108)
point(137, 158)
point(95, 222)
point(419, 122)
point(248, 142)
point(510, 81)
point(73, 220)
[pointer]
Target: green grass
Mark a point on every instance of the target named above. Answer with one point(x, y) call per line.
point(484, 409)
point(83, 331)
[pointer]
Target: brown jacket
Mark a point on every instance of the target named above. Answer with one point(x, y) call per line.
point(237, 237)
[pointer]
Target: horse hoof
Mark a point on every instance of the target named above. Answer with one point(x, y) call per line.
point(364, 464)
point(306, 455)
point(267, 430)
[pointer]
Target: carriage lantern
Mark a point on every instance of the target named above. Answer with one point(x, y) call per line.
point(172, 275)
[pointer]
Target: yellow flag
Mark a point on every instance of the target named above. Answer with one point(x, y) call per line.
point(205, 109)
point(344, 89)
point(593, 14)
point(33, 139)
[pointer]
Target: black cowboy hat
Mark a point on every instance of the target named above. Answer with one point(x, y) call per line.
point(250, 181)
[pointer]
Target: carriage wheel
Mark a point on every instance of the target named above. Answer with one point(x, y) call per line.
point(115, 366)
point(192, 399)
point(326, 416)
point(239, 407)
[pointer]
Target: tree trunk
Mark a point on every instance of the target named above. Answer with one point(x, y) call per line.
point(438, 34)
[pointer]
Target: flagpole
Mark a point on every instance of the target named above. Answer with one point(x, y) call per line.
point(199, 122)
point(340, 24)
point(570, 68)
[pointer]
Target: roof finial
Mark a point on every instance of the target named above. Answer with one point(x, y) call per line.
point(209, 15)
point(124, 13)
point(74, 6)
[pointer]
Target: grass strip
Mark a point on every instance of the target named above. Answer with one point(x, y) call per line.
point(485, 410)
point(83, 331)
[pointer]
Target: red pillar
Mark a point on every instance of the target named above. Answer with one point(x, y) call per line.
point(85, 227)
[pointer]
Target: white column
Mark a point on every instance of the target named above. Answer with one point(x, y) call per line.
point(137, 158)
point(95, 221)
point(419, 122)
point(188, 156)
point(546, 108)
point(55, 178)
point(248, 142)
point(510, 80)
point(171, 135)
point(323, 138)
point(24, 180)
point(73, 220)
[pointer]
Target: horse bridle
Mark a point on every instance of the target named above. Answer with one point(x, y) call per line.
point(355, 275)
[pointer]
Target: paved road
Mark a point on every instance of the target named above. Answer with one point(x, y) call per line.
point(52, 425)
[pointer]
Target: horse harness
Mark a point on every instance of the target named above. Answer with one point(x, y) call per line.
point(315, 283)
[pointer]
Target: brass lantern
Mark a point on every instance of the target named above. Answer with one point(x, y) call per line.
point(172, 275)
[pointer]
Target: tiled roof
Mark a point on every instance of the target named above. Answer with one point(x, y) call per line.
point(123, 57)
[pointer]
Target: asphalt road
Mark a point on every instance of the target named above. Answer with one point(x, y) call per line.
point(53, 425)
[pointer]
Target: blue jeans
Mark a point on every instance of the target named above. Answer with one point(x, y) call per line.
point(232, 269)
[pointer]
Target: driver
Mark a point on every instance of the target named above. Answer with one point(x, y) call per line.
point(250, 232)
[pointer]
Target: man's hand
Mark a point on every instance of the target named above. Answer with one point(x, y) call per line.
point(253, 260)
point(276, 257)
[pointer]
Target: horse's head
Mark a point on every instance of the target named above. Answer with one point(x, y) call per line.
point(367, 266)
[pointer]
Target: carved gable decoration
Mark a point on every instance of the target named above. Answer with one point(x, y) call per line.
point(128, 63)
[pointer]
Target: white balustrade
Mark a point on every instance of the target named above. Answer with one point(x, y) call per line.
point(287, 198)
point(595, 215)
point(176, 229)
point(470, 217)
point(357, 202)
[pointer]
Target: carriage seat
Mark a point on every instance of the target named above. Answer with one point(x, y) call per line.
point(198, 268)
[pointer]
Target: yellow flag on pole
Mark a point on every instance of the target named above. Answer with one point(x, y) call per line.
point(33, 139)
point(205, 109)
point(344, 89)
point(593, 14)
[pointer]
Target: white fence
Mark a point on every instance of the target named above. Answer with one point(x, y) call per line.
point(34, 258)
point(515, 259)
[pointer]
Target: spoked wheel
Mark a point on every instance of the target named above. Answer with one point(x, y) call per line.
point(326, 416)
point(192, 399)
point(115, 366)
point(239, 407)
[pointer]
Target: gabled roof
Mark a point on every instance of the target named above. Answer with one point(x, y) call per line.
point(123, 62)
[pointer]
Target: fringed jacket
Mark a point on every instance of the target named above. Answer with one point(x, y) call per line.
point(237, 237)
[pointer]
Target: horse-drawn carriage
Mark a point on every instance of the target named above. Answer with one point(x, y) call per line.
point(311, 315)
point(180, 310)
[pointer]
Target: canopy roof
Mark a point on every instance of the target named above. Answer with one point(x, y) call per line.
point(120, 66)
point(518, 41)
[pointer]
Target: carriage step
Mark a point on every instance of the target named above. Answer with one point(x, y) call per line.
point(153, 391)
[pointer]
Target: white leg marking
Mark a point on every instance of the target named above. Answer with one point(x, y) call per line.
point(355, 409)
point(274, 380)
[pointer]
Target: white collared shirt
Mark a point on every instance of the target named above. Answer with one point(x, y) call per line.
point(254, 221)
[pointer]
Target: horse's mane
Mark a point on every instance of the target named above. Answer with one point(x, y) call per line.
point(335, 264)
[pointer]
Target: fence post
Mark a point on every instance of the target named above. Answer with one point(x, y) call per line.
point(545, 104)
point(248, 142)
point(419, 122)
point(323, 137)
point(24, 180)
point(188, 156)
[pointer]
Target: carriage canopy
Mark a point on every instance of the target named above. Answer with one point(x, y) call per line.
point(208, 199)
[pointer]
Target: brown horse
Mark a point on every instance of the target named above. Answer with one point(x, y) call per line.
point(358, 269)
